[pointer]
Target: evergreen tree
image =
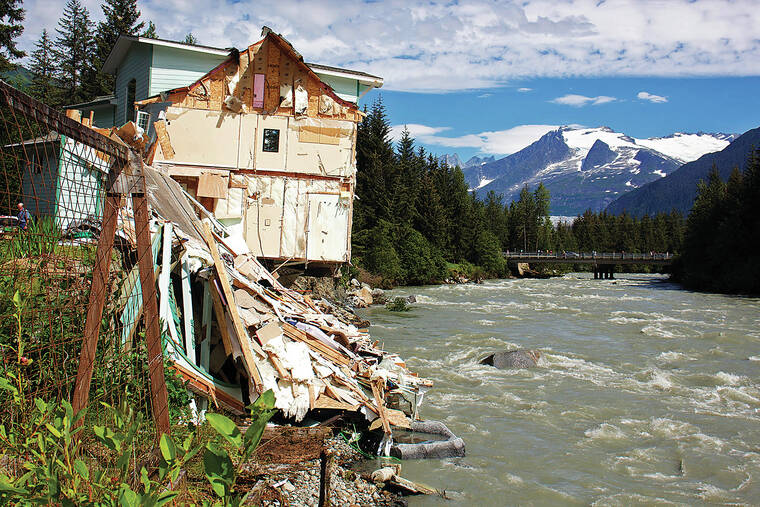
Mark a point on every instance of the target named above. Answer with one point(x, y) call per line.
point(120, 17)
point(11, 16)
point(190, 39)
point(44, 86)
point(150, 32)
point(74, 50)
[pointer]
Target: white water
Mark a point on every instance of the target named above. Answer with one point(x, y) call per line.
point(645, 393)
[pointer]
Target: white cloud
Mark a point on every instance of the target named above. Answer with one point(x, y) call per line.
point(484, 95)
point(441, 45)
point(500, 142)
point(524, 90)
point(657, 99)
point(582, 100)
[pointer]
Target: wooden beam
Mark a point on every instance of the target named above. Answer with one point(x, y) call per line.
point(158, 393)
point(187, 308)
point(96, 302)
point(246, 344)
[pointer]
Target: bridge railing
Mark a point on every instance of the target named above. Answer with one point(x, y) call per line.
point(622, 256)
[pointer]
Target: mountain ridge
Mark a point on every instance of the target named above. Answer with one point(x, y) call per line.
point(589, 167)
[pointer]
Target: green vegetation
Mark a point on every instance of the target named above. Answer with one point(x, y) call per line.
point(416, 222)
point(53, 459)
point(720, 252)
point(397, 304)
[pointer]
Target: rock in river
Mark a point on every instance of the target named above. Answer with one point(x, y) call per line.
point(522, 358)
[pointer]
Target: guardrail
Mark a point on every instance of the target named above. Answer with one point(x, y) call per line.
point(606, 257)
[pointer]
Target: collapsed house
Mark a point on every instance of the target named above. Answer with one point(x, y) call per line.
point(231, 330)
point(253, 163)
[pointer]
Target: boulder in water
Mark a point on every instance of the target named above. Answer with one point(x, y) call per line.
point(522, 358)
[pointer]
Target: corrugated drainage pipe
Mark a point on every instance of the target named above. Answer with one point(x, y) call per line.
point(452, 446)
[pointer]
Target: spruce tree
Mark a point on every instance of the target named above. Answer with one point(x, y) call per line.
point(190, 39)
point(74, 50)
point(11, 16)
point(44, 85)
point(150, 31)
point(120, 17)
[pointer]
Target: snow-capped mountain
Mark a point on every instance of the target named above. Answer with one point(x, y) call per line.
point(453, 160)
point(590, 167)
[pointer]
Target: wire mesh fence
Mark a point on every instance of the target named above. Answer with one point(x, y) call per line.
point(58, 214)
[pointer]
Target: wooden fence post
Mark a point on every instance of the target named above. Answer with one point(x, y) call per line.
point(158, 394)
point(96, 302)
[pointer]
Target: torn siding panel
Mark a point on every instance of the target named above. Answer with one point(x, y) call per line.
point(218, 130)
point(290, 220)
point(272, 156)
point(247, 146)
point(328, 228)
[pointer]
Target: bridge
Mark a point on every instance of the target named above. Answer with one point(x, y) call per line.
point(603, 263)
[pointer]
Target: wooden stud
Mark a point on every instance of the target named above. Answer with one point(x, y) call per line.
point(246, 344)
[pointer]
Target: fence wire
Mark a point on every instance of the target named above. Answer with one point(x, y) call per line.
point(54, 174)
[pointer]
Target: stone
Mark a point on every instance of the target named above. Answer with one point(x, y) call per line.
point(411, 299)
point(365, 295)
point(355, 283)
point(522, 358)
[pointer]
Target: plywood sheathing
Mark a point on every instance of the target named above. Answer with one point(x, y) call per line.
point(286, 78)
point(163, 139)
point(272, 96)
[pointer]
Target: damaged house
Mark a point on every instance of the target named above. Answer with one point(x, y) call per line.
point(277, 158)
point(249, 165)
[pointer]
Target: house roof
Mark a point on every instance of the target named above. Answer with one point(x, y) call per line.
point(102, 100)
point(362, 77)
point(124, 42)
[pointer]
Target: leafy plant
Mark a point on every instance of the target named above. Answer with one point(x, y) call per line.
point(220, 471)
point(398, 304)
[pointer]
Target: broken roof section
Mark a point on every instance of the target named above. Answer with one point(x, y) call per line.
point(349, 85)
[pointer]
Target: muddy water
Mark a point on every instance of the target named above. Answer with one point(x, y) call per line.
point(645, 393)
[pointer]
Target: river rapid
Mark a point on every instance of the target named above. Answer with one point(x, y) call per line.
point(645, 393)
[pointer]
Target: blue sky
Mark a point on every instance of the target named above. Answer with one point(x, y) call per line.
point(472, 122)
point(490, 76)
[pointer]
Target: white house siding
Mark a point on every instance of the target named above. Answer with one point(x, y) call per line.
point(81, 173)
point(173, 68)
point(136, 65)
point(296, 218)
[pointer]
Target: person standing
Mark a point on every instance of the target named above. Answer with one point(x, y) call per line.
point(23, 217)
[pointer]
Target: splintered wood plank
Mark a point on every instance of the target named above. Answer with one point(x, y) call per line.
point(272, 96)
point(221, 271)
point(163, 139)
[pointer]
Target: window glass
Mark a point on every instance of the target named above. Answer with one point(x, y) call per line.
point(271, 140)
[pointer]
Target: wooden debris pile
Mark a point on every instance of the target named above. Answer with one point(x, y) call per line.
point(233, 331)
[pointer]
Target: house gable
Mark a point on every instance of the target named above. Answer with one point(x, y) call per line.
point(135, 65)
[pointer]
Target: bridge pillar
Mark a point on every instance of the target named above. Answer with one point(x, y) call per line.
point(612, 272)
point(596, 273)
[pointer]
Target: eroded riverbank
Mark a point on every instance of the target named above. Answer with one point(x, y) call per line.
point(645, 392)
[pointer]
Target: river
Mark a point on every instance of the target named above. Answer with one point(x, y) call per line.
point(645, 393)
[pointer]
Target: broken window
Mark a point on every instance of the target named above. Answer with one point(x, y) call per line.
point(271, 140)
point(131, 92)
point(143, 120)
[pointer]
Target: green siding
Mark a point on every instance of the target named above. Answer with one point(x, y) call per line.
point(39, 181)
point(136, 65)
point(173, 68)
point(344, 87)
point(103, 117)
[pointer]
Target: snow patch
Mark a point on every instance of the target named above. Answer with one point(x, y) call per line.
point(659, 173)
point(685, 147)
